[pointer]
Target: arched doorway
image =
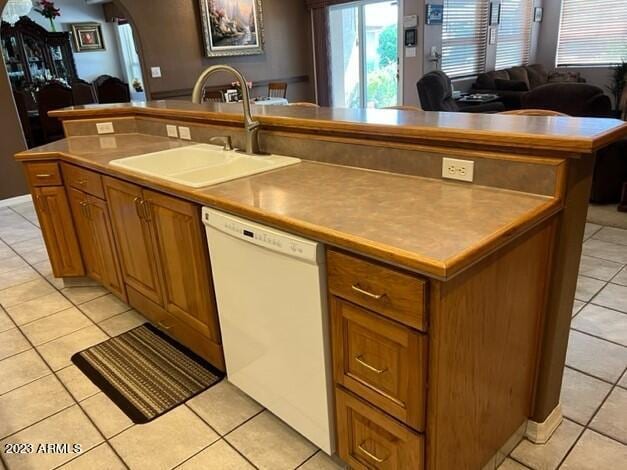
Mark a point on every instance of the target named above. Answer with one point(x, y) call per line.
point(34, 57)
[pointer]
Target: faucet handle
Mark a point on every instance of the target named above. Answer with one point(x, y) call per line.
point(225, 140)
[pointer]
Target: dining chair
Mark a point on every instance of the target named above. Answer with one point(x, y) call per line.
point(533, 112)
point(52, 96)
point(213, 96)
point(277, 89)
point(113, 90)
point(83, 92)
point(304, 104)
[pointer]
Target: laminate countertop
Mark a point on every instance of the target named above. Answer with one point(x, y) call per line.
point(430, 226)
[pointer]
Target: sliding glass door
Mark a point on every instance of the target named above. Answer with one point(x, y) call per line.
point(364, 54)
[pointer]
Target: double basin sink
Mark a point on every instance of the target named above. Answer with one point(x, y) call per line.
point(202, 164)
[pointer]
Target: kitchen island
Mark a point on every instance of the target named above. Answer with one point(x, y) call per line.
point(467, 285)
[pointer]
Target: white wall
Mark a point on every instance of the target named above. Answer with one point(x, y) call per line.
point(89, 65)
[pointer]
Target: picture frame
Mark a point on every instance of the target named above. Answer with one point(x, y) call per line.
point(232, 27)
point(87, 37)
point(537, 14)
point(434, 14)
point(495, 13)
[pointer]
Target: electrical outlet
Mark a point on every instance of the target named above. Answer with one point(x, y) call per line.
point(155, 72)
point(463, 170)
point(172, 131)
point(105, 127)
point(184, 133)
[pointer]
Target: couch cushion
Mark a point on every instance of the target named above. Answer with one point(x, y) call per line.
point(561, 76)
point(537, 75)
point(518, 74)
point(511, 85)
point(485, 81)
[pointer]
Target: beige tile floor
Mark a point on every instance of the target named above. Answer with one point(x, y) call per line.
point(45, 399)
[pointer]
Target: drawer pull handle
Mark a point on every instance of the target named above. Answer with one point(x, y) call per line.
point(43, 175)
point(164, 326)
point(356, 288)
point(370, 455)
point(368, 366)
point(82, 182)
point(137, 202)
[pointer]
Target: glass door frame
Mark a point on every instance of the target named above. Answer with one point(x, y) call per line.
point(361, 38)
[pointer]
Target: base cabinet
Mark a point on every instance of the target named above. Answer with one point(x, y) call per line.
point(93, 227)
point(53, 211)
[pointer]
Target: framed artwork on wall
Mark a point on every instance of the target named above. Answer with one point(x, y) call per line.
point(87, 37)
point(434, 14)
point(537, 14)
point(232, 27)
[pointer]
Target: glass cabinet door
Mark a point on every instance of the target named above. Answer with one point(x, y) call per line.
point(35, 54)
point(13, 60)
point(59, 63)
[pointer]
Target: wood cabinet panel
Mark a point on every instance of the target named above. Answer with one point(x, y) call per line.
point(368, 439)
point(138, 255)
point(387, 291)
point(87, 181)
point(78, 203)
point(184, 262)
point(381, 361)
point(57, 229)
point(43, 174)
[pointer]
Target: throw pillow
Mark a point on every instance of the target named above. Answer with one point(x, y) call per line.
point(564, 76)
point(511, 85)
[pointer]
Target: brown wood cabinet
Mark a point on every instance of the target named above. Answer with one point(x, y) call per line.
point(165, 262)
point(93, 227)
point(53, 212)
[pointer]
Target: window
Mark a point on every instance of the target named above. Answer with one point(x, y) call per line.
point(592, 32)
point(514, 33)
point(464, 37)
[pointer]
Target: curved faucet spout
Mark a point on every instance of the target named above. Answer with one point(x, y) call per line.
point(250, 125)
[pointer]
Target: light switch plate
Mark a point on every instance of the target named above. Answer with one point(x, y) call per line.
point(104, 128)
point(155, 72)
point(184, 133)
point(172, 131)
point(462, 170)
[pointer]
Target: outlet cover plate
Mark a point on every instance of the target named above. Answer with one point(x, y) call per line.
point(172, 131)
point(155, 72)
point(105, 128)
point(184, 133)
point(462, 170)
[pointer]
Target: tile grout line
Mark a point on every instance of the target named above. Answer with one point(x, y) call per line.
point(598, 337)
point(609, 308)
point(61, 382)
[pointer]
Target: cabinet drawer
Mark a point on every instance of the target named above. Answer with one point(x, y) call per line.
point(368, 439)
point(385, 290)
point(381, 361)
point(43, 174)
point(87, 181)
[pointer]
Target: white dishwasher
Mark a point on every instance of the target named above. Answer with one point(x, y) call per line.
point(271, 294)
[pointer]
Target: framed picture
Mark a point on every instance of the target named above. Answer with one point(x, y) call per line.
point(87, 37)
point(495, 13)
point(537, 14)
point(435, 14)
point(232, 27)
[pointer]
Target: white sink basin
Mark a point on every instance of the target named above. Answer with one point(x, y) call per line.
point(202, 164)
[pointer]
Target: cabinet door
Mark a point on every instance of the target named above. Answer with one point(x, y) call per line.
point(57, 228)
point(183, 255)
point(78, 205)
point(135, 244)
point(105, 254)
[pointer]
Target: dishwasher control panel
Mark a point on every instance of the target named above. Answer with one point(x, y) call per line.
point(260, 235)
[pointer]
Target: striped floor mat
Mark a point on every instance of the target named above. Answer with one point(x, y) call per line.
point(145, 372)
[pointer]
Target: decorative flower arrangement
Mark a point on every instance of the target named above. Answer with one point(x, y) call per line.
point(48, 10)
point(137, 85)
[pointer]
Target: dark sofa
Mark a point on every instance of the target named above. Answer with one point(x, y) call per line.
point(513, 83)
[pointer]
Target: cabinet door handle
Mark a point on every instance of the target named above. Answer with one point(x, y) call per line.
point(86, 211)
point(82, 182)
point(369, 454)
point(138, 208)
point(43, 175)
point(356, 288)
point(145, 206)
point(164, 326)
point(360, 360)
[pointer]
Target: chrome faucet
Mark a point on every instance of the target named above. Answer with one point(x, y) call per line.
point(250, 125)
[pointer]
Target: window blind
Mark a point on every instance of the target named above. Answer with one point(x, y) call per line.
point(592, 32)
point(464, 37)
point(514, 37)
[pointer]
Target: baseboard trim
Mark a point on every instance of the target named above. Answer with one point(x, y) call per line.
point(540, 433)
point(15, 200)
